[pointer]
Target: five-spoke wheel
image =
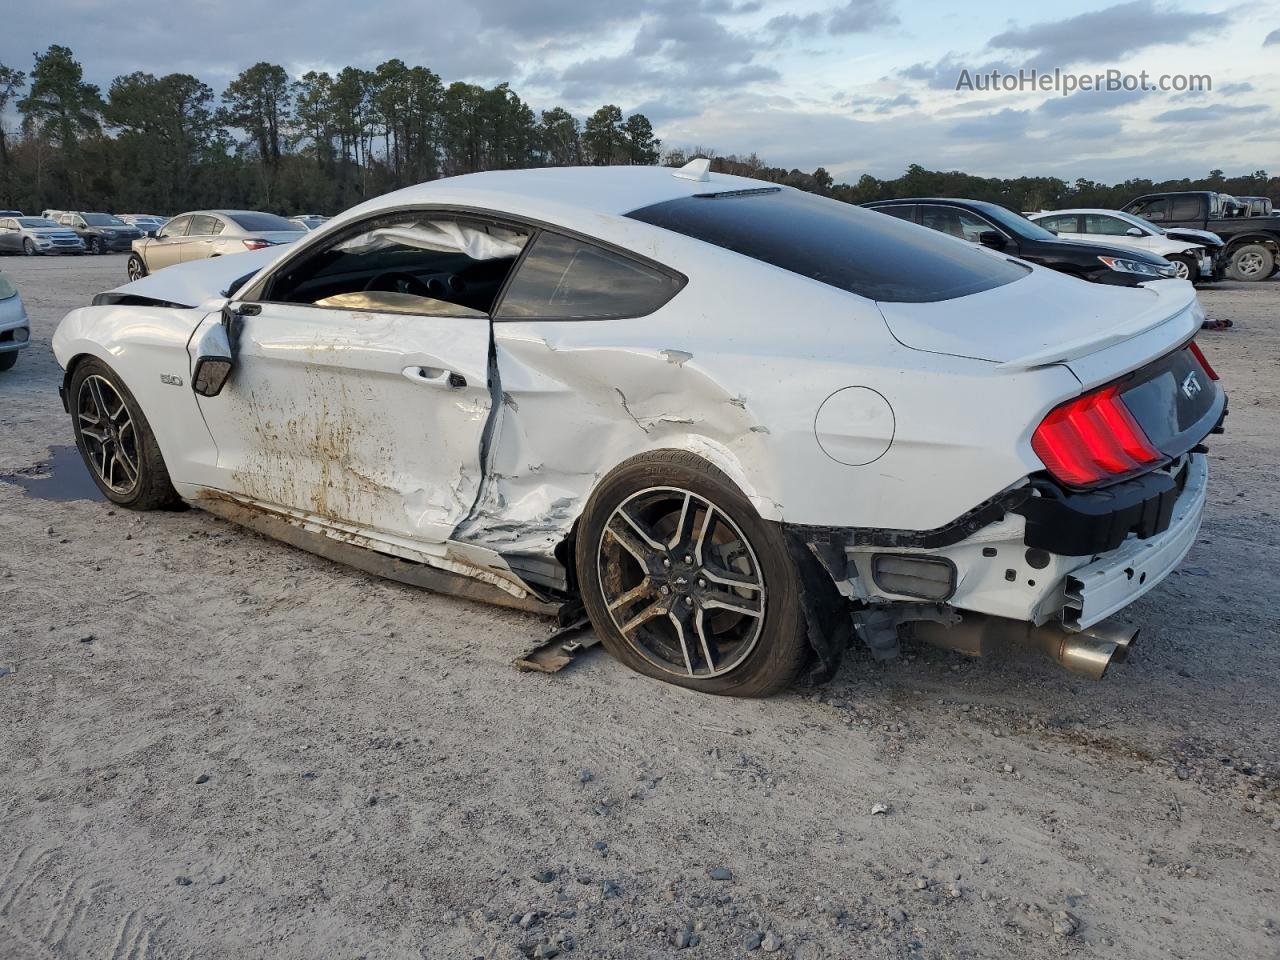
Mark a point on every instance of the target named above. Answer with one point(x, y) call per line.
point(107, 431)
point(682, 584)
point(115, 440)
point(685, 582)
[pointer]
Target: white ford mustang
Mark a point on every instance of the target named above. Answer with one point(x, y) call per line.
point(734, 421)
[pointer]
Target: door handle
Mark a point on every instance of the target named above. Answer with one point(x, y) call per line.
point(435, 377)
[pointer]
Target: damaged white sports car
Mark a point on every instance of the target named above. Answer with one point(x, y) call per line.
point(731, 420)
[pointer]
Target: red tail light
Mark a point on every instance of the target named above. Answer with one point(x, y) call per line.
point(1092, 439)
point(256, 244)
point(1195, 350)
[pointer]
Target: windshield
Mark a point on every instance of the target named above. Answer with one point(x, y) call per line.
point(266, 221)
point(35, 222)
point(1139, 222)
point(102, 220)
point(1015, 223)
point(6, 288)
point(839, 244)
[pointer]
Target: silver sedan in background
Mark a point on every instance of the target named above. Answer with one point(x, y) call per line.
point(209, 233)
point(36, 235)
point(15, 332)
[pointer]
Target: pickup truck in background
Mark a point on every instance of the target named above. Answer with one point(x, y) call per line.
point(1253, 242)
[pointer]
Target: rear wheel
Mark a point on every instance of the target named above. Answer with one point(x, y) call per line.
point(116, 441)
point(1251, 262)
point(1185, 267)
point(136, 268)
point(684, 581)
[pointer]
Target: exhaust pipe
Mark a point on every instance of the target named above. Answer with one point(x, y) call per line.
point(1086, 652)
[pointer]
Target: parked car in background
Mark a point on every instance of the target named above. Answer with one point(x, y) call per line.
point(15, 331)
point(999, 228)
point(52, 214)
point(209, 233)
point(36, 235)
point(1253, 243)
point(148, 223)
point(101, 232)
point(10, 213)
point(309, 220)
point(1192, 261)
point(942, 441)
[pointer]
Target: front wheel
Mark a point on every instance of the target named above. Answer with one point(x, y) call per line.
point(116, 441)
point(1185, 268)
point(29, 247)
point(686, 583)
point(1251, 262)
point(136, 268)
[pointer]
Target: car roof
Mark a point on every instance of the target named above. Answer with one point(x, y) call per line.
point(1106, 210)
point(588, 199)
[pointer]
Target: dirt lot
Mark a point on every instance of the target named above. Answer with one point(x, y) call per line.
point(212, 745)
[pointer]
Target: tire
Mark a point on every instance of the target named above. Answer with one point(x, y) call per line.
point(8, 359)
point(29, 247)
point(98, 247)
point(96, 388)
point(135, 268)
point(746, 640)
point(1251, 262)
point(1187, 268)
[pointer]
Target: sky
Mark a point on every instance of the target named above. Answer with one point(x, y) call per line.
point(856, 86)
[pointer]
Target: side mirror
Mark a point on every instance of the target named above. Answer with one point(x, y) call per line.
point(214, 360)
point(1134, 232)
point(993, 239)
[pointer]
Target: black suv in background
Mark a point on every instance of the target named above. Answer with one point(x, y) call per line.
point(1001, 229)
point(101, 232)
point(1253, 242)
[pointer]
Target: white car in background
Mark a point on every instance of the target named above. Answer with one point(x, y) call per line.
point(1193, 261)
point(731, 421)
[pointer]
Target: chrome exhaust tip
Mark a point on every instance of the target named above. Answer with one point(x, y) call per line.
point(1088, 653)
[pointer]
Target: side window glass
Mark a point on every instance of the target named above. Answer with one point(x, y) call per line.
point(411, 263)
point(175, 228)
point(1157, 211)
point(217, 227)
point(1058, 224)
point(955, 222)
point(1185, 208)
point(906, 211)
point(567, 279)
point(202, 226)
point(1107, 226)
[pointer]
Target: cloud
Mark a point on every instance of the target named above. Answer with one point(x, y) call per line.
point(1089, 101)
point(861, 16)
point(942, 74)
point(1273, 38)
point(1202, 114)
point(1108, 34)
point(998, 126)
point(679, 48)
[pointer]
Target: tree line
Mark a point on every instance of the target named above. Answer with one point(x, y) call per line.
point(322, 142)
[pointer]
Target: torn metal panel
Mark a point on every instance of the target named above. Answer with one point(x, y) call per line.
point(462, 580)
point(569, 405)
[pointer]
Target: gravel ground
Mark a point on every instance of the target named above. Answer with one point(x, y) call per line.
point(213, 745)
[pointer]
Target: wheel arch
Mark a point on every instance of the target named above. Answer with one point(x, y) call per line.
point(1245, 239)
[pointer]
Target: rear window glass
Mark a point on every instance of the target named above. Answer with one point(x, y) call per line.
point(566, 279)
point(265, 221)
point(848, 247)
